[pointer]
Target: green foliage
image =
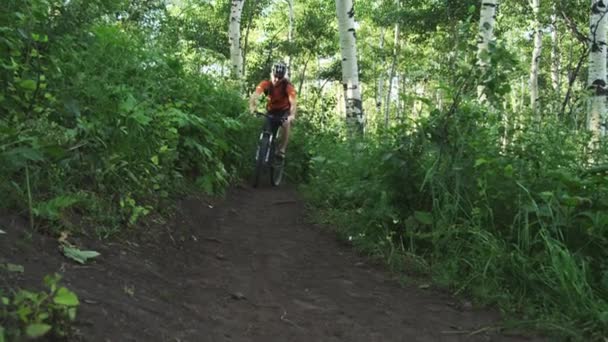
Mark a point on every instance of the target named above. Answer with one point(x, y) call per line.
point(78, 255)
point(105, 120)
point(28, 314)
point(504, 214)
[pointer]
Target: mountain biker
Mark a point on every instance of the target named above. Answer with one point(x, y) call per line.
point(281, 101)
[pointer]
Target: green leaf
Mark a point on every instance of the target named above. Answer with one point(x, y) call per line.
point(14, 268)
point(51, 281)
point(142, 118)
point(52, 209)
point(72, 313)
point(78, 255)
point(65, 297)
point(546, 195)
point(509, 170)
point(423, 217)
point(2, 338)
point(37, 330)
point(55, 151)
point(43, 38)
point(128, 104)
point(22, 33)
point(28, 84)
point(480, 161)
point(18, 157)
point(604, 317)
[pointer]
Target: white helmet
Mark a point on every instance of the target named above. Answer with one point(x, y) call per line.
point(279, 69)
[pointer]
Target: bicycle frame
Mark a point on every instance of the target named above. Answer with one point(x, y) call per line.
point(270, 129)
point(265, 152)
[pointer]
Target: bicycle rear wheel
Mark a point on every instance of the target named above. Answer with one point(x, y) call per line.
point(259, 160)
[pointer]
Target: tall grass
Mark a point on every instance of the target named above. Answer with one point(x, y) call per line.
point(520, 225)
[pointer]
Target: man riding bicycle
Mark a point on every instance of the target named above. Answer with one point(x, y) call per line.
point(281, 101)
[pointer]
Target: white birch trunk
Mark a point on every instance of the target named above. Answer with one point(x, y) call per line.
point(380, 84)
point(597, 69)
point(319, 80)
point(290, 35)
point(555, 61)
point(234, 38)
point(486, 35)
point(350, 73)
point(391, 76)
point(538, 41)
point(398, 93)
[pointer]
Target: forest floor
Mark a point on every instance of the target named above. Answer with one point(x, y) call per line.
point(249, 267)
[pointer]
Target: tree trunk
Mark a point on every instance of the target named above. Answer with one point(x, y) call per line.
point(597, 69)
point(234, 38)
point(486, 35)
point(303, 75)
point(290, 36)
point(350, 73)
point(391, 75)
point(555, 60)
point(318, 71)
point(247, 30)
point(538, 41)
point(380, 83)
point(398, 93)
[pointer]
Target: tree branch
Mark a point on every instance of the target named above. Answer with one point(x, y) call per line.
point(575, 31)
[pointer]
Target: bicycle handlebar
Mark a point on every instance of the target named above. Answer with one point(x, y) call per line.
point(257, 113)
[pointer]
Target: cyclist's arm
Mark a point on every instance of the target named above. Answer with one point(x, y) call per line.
point(253, 100)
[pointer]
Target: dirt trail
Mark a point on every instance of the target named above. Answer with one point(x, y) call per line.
point(249, 268)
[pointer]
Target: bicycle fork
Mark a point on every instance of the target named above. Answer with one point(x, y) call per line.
point(268, 148)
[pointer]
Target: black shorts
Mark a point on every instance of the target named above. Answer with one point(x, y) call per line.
point(278, 113)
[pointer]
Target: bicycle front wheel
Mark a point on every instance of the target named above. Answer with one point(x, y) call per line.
point(260, 157)
point(276, 170)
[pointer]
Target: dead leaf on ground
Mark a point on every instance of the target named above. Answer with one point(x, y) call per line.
point(63, 238)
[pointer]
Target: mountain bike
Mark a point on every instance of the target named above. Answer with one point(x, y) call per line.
point(265, 157)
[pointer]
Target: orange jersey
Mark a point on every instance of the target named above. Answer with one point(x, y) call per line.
point(278, 94)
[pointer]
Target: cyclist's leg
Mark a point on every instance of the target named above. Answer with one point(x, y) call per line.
point(285, 129)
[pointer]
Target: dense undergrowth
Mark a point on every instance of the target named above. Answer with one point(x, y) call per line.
point(513, 219)
point(101, 119)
